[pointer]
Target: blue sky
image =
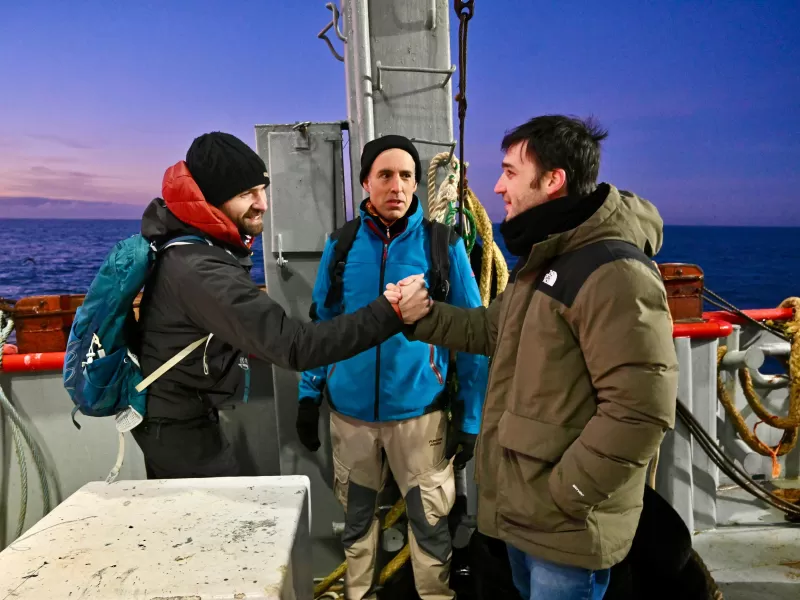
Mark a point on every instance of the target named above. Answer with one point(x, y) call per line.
point(702, 99)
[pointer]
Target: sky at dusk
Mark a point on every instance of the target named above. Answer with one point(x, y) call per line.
point(702, 100)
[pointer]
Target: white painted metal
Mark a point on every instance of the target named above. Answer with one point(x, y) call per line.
point(236, 538)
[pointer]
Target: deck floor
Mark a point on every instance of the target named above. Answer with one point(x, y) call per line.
point(756, 554)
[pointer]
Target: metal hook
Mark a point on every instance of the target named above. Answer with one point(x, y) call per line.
point(282, 262)
point(335, 20)
point(335, 24)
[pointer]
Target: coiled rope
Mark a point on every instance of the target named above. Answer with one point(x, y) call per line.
point(442, 208)
point(790, 423)
point(20, 433)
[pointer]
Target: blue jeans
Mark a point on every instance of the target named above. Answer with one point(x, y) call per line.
point(538, 579)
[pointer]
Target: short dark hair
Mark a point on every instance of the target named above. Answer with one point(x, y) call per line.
point(561, 142)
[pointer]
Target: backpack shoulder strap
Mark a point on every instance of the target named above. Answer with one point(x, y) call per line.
point(565, 275)
point(344, 237)
point(442, 237)
point(183, 240)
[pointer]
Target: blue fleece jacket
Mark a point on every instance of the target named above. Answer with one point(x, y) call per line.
point(399, 379)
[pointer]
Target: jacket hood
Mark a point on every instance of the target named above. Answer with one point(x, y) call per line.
point(184, 210)
point(622, 216)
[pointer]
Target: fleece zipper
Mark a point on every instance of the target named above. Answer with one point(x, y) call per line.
point(385, 238)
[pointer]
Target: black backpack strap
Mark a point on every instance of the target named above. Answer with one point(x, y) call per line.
point(344, 237)
point(442, 237)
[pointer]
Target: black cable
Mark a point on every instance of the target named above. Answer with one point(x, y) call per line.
point(738, 475)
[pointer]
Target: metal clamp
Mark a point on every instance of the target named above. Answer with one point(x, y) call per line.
point(451, 145)
point(448, 73)
point(335, 24)
point(282, 262)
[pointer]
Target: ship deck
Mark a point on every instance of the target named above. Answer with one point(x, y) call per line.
point(756, 554)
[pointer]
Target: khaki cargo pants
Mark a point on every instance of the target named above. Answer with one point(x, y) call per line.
point(415, 453)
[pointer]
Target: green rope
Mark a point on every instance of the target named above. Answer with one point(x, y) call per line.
point(470, 232)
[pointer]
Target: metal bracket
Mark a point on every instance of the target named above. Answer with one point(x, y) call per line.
point(282, 262)
point(752, 358)
point(335, 24)
point(301, 139)
point(448, 73)
point(451, 145)
point(771, 381)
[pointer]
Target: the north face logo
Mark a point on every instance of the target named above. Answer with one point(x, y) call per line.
point(550, 278)
point(244, 363)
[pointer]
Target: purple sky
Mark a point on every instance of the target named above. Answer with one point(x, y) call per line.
point(702, 102)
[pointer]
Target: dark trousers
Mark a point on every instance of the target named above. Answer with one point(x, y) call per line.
point(185, 449)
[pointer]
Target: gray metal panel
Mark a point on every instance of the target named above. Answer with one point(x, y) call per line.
point(358, 75)
point(416, 34)
point(413, 104)
point(291, 285)
point(705, 473)
point(674, 478)
point(307, 176)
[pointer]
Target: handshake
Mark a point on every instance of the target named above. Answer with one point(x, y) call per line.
point(411, 297)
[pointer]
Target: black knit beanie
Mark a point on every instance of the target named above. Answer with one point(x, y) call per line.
point(387, 142)
point(224, 166)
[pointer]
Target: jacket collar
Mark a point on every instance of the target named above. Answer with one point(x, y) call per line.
point(411, 220)
point(559, 243)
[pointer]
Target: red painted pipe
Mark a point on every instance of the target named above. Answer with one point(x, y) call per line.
point(43, 361)
point(703, 330)
point(718, 324)
point(759, 314)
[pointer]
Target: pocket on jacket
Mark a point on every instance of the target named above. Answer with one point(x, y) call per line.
point(437, 488)
point(530, 450)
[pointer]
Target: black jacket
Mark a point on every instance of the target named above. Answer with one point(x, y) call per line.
point(199, 289)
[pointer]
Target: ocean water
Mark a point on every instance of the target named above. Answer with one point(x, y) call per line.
point(750, 267)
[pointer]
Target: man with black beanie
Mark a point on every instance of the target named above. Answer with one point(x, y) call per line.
point(201, 292)
point(388, 403)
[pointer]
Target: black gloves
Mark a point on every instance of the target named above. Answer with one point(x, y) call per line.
point(467, 443)
point(308, 423)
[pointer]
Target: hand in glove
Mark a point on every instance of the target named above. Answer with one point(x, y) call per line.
point(466, 442)
point(308, 423)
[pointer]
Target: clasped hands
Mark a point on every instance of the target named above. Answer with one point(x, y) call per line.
point(411, 297)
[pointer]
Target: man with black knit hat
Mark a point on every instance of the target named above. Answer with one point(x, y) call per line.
point(388, 402)
point(201, 291)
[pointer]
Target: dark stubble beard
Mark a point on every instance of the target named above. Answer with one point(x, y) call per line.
point(248, 227)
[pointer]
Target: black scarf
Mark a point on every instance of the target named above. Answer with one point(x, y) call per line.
point(556, 216)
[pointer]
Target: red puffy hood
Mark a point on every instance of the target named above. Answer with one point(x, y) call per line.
point(185, 200)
